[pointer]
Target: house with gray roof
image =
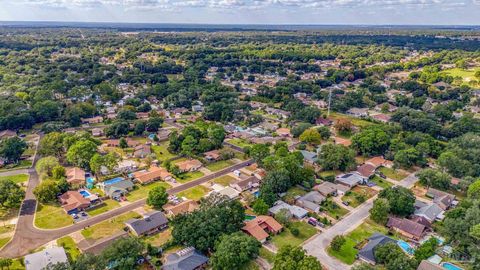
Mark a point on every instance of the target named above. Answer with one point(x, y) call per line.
point(151, 222)
point(431, 212)
point(118, 189)
point(47, 257)
point(367, 253)
point(311, 201)
point(327, 189)
point(351, 179)
point(186, 259)
point(309, 157)
point(297, 212)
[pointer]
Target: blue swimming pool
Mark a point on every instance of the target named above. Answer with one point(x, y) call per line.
point(405, 247)
point(450, 266)
point(85, 193)
point(113, 181)
point(90, 180)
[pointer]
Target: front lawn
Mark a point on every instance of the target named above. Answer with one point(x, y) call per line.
point(194, 193)
point(381, 182)
point(219, 165)
point(225, 180)
point(267, 255)
point(396, 175)
point(22, 164)
point(287, 238)
point(240, 142)
point(4, 241)
point(348, 252)
point(358, 195)
point(161, 151)
point(334, 210)
point(189, 176)
point(70, 247)
point(18, 178)
point(108, 205)
point(160, 238)
point(52, 216)
point(108, 227)
point(141, 191)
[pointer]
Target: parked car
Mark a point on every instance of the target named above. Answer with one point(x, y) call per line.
point(312, 221)
point(382, 175)
point(346, 203)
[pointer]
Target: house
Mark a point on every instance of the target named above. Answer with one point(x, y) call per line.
point(382, 117)
point(5, 134)
point(327, 189)
point(75, 176)
point(142, 115)
point(189, 165)
point(197, 108)
point(97, 132)
point(117, 187)
point(309, 157)
point(284, 132)
point(73, 202)
point(246, 184)
point(311, 201)
point(92, 120)
point(358, 112)
point(47, 257)
point(379, 161)
point(269, 126)
point(184, 207)
point(407, 228)
point(142, 151)
point(186, 259)
point(230, 192)
point(126, 165)
point(388, 106)
point(430, 212)
point(151, 222)
point(261, 227)
point(342, 189)
point(366, 170)
point(280, 113)
point(443, 199)
point(154, 173)
point(426, 265)
point(323, 121)
point(213, 155)
point(367, 253)
point(351, 179)
point(297, 212)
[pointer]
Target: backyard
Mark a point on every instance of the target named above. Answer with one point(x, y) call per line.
point(334, 210)
point(358, 195)
point(160, 238)
point(108, 227)
point(348, 252)
point(396, 175)
point(219, 165)
point(240, 142)
point(70, 247)
point(287, 238)
point(107, 206)
point(161, 151)
point(194, 193)
point(141, 191)
point(51, 216)
point(292, 193)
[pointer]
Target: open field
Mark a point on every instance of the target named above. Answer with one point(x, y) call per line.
point(108, 227)
point(465, 74)
point(51, 216)
point(18, 178)
point(70, 247)
point(189, 176)
point(194, 193)
point(160, 238)
point(219, 165)
point(287, 238)
point(108, 205)
point(161, 151)
point(396, 175)
point(141, 191)
point(381, 182)
point(224, 180)
point(358, 195)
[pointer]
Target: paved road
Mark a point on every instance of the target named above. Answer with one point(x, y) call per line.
point(27, 237)
point(317, 245)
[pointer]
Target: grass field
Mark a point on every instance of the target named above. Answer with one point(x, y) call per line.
point(194, 193)
point(51, 216)
point(292, 193)
point(70, 247)
point(108, 227)
point(4, 241)
point(108, 205)
point(240, 142)
point(287, 238)
point(22, 164)
point(219, 165)
point(358, 122)
point(18, 178)
point(348, 251)
point(381, 182)
point(396, 175)
point(465, 74)
point(267, 255)
point(224, 180)
point(334, 210)
point(358, 195)
point(189, 176)
point(141, 191)
point(160, 238)
point(162, 152)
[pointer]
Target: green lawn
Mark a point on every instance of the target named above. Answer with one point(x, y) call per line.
point(267, 255)
point(6, 229)
point(466, 74)
point(23, 164)
point(195, 193)
point(51, 216)
point(358, 195)
point(396, 175)
point(348, 251)
point(160, 238)
point(292, 193)
point(240, 142)
point(162, 152)
point(70, 247)
point(189, 176)
point(361, 123)
point(381, 182)
point(224, 180)
point(251, 265)
point(219, 165)
point(18, 178)
point(108, 227)
point(141, 191)
point(4, 241)
point(287, 238)
point(334, 210)
point(107, 206)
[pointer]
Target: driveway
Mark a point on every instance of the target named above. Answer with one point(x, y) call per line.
point(317, 245)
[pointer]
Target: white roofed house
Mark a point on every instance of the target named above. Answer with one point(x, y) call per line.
point(351, 179)
point(45, 258)
point(358, 112)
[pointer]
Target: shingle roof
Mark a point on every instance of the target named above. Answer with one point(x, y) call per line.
point(256, 226)
point(187, 259)
point(326, 188)
point(430, 211)
point(182, 208)
point(149, 222)
point(296, 211)
point(426, 265)
point(367, 252)
point(407, 226)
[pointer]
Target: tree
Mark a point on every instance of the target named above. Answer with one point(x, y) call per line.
point(157, 197)
point(11, 194)
point(337, 242)
point(259, 152)
point(393, 257)
point(409, 157)
point(260, 207)
point(122, 143)
point(325, 132)
point(117, 129)
point(336, 157)
point(283, 217)
point(300, 128)
point(371, 141)
point(45, 165)
point(343, 125)
point(123, 253)
point(234, 251)
point(47, 191)
point(51, 145)
point(59, 172)
point(474, 190)
point(426, 249)
point(434, 178)
point(80, 153)
point(364, 266)
point(188, 146)
point(294, 258)
point(109, 160)
point(379, 211)
point(153, 124)
point(11, 149)
point(311, 136)
point(400, 199)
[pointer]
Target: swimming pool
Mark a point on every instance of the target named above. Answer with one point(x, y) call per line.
point(405, 247)
point(113, 181)
point(85, 193)
point(450, 266)
point(249, 217)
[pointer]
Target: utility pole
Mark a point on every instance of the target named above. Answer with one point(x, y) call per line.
point(329, 101)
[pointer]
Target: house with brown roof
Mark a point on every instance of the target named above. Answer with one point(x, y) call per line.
point(327, 189)
point(184, 207)
point(426, 265)
point(284, 132)
point(142, 151)
point(366, 170)
point(382, 117)
point(152, 174)
point(97, 132)
point(92, 120)
point(189, 165)
point(75, 176)
point(342, 141)
point(407, 228)
point(443, 199)
point(213, 155)
point(73, 202)
point(261, 227)
point(379, 161)
point(246, 184)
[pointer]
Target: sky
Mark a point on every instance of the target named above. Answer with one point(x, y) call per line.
point(371, 12)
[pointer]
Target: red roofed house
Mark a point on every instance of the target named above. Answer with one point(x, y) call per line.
point(73, 201)
point(75, 176)
point(382, 117)
point(283, 132)
point(213, 155)
point(366, 170)
point(152, 174)
point(379, 161)
point(184, 207)
point(189, 165)
point(261, 227)
point(407, 227)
